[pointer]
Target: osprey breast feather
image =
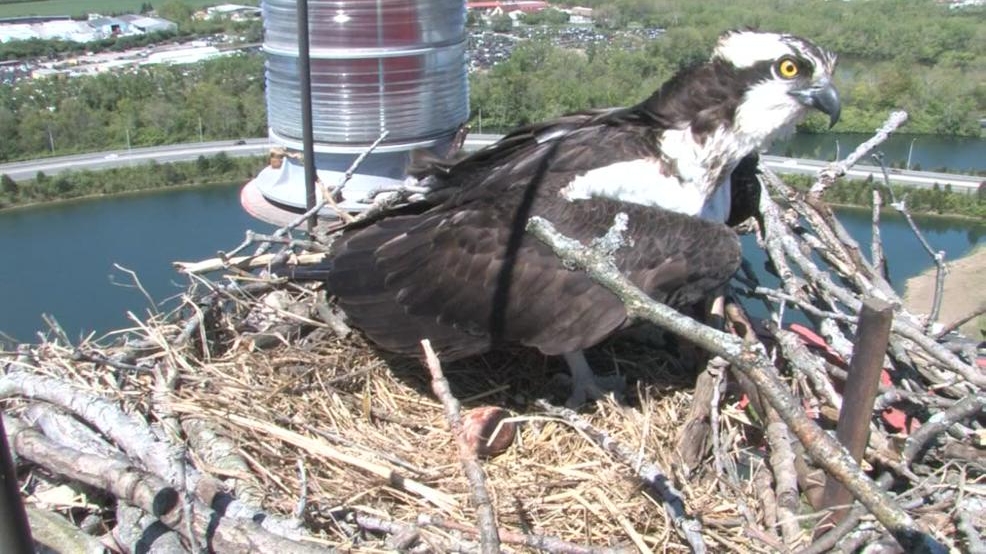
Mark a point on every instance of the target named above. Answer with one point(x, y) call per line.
point(465, 275)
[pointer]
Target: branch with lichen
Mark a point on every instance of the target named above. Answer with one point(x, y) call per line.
point(753, 361)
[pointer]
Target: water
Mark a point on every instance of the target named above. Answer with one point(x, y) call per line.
point(59, 257)
point(929, 153)
point(905, 255)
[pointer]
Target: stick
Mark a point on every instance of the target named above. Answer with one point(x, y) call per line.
point(489, 540)
point(959, 322)
point(120, 478)
point(853, 429)
point(937, 256)
point(244, 262)
point(876, 248)
point(325, 197)
point(963, 409)
point(320, 448)
point(128, 432)
point(659, 487)
point(15, 532)
point(827, 176)
point(785, 478)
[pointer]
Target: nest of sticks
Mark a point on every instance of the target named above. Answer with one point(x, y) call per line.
point(252, 419)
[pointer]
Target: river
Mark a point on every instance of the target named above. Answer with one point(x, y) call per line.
point(59, 257)
point(926, 152)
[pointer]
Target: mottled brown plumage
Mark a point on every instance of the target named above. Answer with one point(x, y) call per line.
point(464, 274)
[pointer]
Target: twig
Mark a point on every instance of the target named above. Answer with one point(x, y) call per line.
point(960, 321)
point(937, 256)
point(539, 542)
point(320, 448)
point(325, 198)
point(659, 486)
point(876, 246)
point(489, 540)
point(139, 286)
point(785, 478)
point(801, 359)
point(337, 192)
point(299, 509)
point(634, 535)
point(245, 262)
point(753, 361)
point(939, 423)
point(827, 176)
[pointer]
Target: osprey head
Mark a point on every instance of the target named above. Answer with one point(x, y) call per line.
point(784, 75)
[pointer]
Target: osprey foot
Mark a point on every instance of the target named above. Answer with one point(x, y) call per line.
point(586, 385)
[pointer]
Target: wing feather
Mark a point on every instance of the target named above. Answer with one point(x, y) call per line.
point(457, 275)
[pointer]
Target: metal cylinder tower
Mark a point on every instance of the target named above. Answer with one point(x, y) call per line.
point(395, 65)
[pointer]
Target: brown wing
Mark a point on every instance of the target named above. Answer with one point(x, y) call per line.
point(466, 276)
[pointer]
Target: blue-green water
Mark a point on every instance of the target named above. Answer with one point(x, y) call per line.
point(926, 152)
point(58, 258)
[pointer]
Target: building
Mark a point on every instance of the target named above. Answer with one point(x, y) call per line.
point(64, 29)
point(235, 12)
point(496, 7)
point(146, 24)
point(109, 26)
point(96, 28)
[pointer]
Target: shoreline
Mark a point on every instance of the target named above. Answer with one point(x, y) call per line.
point(963, 291)
point(103, 195)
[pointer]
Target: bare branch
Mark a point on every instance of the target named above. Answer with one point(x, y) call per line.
point(489, 540)
point(827, 176)
point(754, 362)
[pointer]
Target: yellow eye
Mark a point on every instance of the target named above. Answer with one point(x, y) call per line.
point(787, 69)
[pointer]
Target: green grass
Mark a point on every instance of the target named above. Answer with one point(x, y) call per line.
point(82, 7)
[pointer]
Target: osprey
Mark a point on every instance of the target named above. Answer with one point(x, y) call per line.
point(463, 272)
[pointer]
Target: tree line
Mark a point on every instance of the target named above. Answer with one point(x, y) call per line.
point(148, 106)
point(925, 59)
point(938, 199)
point(220, 168)
point(929, 66)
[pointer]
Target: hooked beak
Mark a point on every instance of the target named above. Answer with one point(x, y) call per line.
point(823, 97)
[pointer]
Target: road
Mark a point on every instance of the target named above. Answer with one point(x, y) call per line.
point(922, 179)
point(20, 171)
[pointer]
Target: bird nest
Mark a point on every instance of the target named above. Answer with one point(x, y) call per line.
point(253, 419)
point(355, 447)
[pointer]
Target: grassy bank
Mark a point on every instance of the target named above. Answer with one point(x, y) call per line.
point(935, 201)
point(148, 176)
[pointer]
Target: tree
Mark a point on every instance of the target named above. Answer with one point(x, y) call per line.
point(501, 23)
point(9, 186)
point(176, 10)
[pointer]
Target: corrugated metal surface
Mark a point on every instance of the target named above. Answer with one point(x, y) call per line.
point(386, 64)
